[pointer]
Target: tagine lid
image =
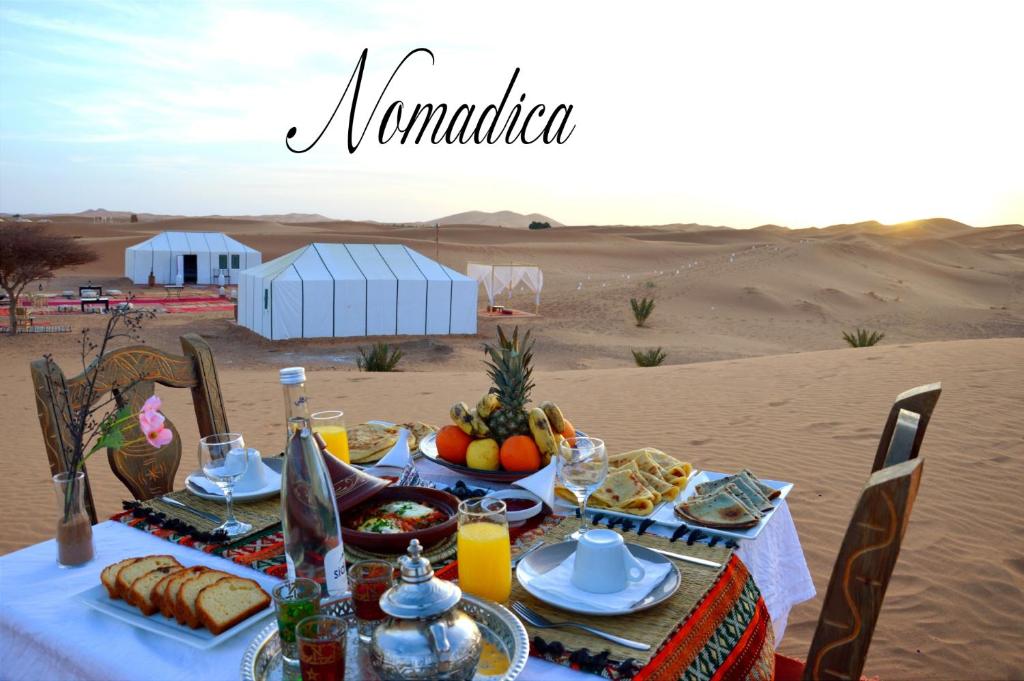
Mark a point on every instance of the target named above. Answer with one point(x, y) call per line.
point(351, 485)
point(419, 594)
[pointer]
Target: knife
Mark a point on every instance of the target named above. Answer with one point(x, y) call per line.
point(688, 559)
point(202, 514)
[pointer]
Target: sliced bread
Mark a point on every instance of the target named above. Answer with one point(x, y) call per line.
point(109, 576)
point(141, 592)
point(185, 606)
point(229, 601)
point(140, 567)
point(170, 593)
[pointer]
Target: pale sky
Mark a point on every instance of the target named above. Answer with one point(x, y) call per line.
point(738, 113)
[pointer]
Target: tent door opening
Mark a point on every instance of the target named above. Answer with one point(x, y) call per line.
point(191, 269)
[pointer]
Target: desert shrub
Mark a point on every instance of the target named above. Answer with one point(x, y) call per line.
point(649, 284)
point(862, 338)
point(380, 357)
point(536, 224)
point(642, 309)
point(648, 358)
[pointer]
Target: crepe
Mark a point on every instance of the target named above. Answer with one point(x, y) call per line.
point(417, 431)
point(672, 466)
point(758, 493)
point(718, 510)
point(624, 490)
point(665, 490)
point(369, 442)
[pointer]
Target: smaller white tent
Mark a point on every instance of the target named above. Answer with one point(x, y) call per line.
point(188, 258)
point(500, 278)
point(343, 290)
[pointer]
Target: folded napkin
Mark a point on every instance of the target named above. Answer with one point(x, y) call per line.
point(556, 585)
point(541, 484)
point(272, 478)
point(398, 456)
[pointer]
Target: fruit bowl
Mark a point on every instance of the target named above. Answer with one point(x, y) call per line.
point(428, 447)
point(398, 542)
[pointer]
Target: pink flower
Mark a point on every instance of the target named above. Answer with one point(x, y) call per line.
point(150, 421)
point(152, 405)
point(160, 437)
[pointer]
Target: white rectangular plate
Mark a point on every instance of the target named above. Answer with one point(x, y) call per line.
point(97, 598)
point(664, 513)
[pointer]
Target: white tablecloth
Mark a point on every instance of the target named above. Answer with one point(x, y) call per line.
point(46, 634)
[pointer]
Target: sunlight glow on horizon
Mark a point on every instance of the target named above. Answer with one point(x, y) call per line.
point(794, 113)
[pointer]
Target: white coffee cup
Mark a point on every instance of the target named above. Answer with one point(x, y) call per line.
point(255, 476)
point(604, 564)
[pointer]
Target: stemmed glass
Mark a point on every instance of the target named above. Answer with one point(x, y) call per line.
point(582, 467)
point(224, 460)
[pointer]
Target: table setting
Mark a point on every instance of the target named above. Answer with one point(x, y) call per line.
point(506, 544)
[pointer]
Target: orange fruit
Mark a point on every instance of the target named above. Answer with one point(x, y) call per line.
point(452, 444)
point(519, 453)
point(569, 433)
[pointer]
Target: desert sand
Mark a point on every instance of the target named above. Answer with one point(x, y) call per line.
point(757, 376)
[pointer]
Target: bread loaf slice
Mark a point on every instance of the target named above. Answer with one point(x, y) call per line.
point(109, 576)
point(170, 592)
point(141, 592)
point(140, 567)
point(229, 601)
point(185, 607)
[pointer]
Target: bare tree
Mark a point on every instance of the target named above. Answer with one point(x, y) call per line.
point(28, 253)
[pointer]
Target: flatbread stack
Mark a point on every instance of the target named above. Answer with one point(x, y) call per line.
point(369, 442)
point(417, 431)
point(734, 502)
point(637, 482)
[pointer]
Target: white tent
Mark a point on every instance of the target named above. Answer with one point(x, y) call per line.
point(188, 258)
point(324, 290)
point(500, 278)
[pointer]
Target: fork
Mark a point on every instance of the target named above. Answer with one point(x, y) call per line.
point(541, 622)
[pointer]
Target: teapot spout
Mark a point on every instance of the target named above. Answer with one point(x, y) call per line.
point(439, 639)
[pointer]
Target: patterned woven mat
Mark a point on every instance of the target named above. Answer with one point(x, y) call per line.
point(260, 514)
point(651, 626)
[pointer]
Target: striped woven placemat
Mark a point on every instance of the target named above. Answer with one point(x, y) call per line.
point(653, 626)
point(260, 514)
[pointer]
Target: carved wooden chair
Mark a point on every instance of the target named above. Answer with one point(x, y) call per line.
point(921, 401)
point(859, 579)
point(145, 471)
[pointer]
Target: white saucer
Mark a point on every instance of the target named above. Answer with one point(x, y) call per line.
point(265, 492)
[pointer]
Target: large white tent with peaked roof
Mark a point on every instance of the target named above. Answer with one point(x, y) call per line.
point(344, 290)
point(188, 258)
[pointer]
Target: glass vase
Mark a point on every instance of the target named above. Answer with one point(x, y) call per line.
point(74, 531)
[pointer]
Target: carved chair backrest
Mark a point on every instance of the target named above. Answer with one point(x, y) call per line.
point(861, 574)
point(904, 435)
point(920, 400)
point(147, 472)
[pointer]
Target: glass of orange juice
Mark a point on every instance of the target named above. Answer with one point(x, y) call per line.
point(485, 553)
point(331, 426)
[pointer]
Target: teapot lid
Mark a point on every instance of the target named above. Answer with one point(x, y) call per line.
point(419, 594)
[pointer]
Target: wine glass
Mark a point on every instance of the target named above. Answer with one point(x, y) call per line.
point(582, 467)
point(224, 460)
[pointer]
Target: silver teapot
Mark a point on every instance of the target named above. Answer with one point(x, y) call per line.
point(426, 636)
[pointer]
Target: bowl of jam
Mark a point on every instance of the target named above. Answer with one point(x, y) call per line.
point(520, 505)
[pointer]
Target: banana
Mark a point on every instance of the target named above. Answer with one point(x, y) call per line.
point(462, 417)
point(487, 405)
point(540, 428)
point(554, 415)
point(478, 425)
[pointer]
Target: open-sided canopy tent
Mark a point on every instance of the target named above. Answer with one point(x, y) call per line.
point(499, 278)
point(188, 257)
point(324, 290)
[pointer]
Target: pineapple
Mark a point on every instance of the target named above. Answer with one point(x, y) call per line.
point(510, 371)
